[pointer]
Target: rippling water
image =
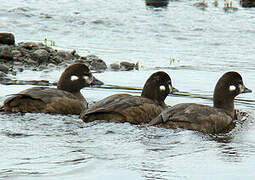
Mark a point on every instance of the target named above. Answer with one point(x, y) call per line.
point(204, 43)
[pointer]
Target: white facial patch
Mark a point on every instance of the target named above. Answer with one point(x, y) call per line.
point(170, 88)
point(73, 77)
point(162, 88)
point(87, 79)
point(232, 88)
point(241, 88)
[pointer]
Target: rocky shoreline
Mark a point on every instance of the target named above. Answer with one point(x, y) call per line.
point(37, 56)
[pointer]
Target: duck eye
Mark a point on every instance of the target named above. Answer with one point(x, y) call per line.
point(232, 88)
point(162, 88)
point(73, 77)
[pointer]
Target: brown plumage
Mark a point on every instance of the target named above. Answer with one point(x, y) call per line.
point(203, 118)
point(65, 99)
point(133, 109)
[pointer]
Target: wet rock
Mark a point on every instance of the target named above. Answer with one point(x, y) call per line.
point(30, 45)
point(127, 66)
point(95, 63)
point(65, 55)
point(230, 9)
point(7, 38)
point(40, 55)
point(201, 5)
point(16, 54)
point(115, 67)
point(4, 68)
point(157, 3)
point(5, 52)
point(247, 3)
point(8, 81)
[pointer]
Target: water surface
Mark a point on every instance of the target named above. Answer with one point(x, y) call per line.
point(205, 43)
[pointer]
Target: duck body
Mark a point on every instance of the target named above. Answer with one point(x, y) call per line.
point(133, 109)
point(45, 100)
point(196, 117)
point(123, 108)
point(213, 120)
point(65, 99)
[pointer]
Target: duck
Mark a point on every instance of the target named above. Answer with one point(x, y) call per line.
point(65, 99)
point(219, 118)
point(133, 109)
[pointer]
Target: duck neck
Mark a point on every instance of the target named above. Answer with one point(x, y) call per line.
point(155, 99)
point(79, 95)
point(222, 102)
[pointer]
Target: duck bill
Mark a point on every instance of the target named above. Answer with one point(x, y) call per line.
point(96, 82)
point(246, 90)
point(172, 89)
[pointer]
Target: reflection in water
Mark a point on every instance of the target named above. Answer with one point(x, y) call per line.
point(66, 144)
point(230, 146)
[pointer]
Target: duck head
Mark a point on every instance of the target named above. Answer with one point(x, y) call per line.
point(157, 87)
point(75, 77)
point(227, 88)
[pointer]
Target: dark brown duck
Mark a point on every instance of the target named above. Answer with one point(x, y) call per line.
point(133, 109)
point(203, 118)
point(65, 99)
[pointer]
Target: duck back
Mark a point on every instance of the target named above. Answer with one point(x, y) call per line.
point(123, 108)
point(197, 117)
point(45, 100)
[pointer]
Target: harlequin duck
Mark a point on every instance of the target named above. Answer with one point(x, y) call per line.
point(203, 118)
point(65, 99)
point(133, 109)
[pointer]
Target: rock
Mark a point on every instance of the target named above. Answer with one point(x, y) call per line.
point(247, 3)
point(201, 5)
point(30, 45)
point(95, 63)
point(7, 38)
point(230, 9)
point(16, 53)
point(5, 52)
point(157, 3)
point(65, 55)
point(127, 66)
point(40, 55)
point(4, 68)
point(115, 67)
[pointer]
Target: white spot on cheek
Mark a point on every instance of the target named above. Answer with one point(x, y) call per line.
point(162, 88)
point(232, 88)
point(241, 87)
point(170, 88)
point(87, 79)
point(73, 77)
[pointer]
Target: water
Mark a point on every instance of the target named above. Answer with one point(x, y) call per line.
point(206, 43)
